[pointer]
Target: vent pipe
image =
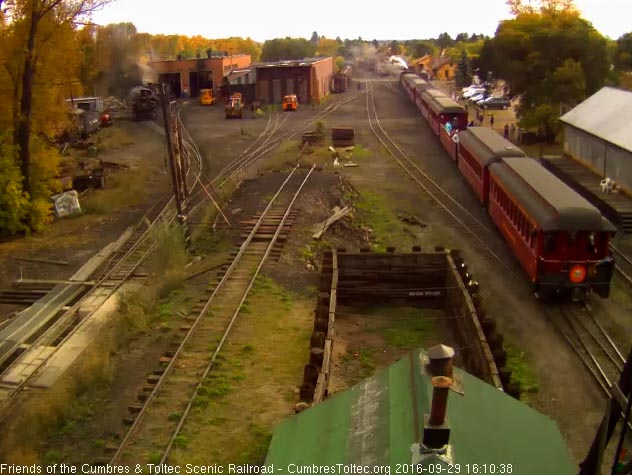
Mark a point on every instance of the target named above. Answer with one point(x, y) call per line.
point(441, 388)
point(440, 360)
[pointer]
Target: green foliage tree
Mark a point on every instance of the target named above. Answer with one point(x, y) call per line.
point(418, 49)
point(375, 44)
point(463, 75)
point(547, 59)
point(462, 37)
point(314, 39)
point(287, 48)
point(395, 47)
point(623, 53)
point(444, 40)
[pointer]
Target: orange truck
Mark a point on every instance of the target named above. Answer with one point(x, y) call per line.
point(290, 103)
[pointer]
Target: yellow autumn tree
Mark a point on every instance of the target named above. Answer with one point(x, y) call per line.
point(39, 62)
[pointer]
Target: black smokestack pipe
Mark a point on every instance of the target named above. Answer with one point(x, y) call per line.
point(439, 405)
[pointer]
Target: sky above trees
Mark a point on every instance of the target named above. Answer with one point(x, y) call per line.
point(400, 19)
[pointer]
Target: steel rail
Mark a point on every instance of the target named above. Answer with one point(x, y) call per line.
point(140, 416)
point(371, 109)
point(140, 241)
point(587, 357)
point(209, 367)
point(621, 258)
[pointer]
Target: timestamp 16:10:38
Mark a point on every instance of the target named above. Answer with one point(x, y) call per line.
point(456, 469)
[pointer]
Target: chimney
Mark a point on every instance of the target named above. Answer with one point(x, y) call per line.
point(440, 360)
point(179, 57)
point(436, 426)
point(209, 53)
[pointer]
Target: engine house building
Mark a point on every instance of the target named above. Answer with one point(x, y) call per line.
point(308, 78)
point(187, 76)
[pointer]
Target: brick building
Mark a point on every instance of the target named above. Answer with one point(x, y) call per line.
point(186, 77)
point(307, 78)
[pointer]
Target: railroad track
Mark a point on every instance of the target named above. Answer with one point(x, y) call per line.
point(188, 365)
point(480, 232)
point(122, 265)
point(623, 265)
point(589, 340)
point(274, 140)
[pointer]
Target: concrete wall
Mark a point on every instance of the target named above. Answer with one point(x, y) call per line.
point(596, 153)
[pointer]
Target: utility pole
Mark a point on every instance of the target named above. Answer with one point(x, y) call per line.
point(176, 182)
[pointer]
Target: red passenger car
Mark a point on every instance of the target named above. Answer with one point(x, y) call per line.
point(442, 109)
point(425, 99)
point(560, 239)
point(479, 147)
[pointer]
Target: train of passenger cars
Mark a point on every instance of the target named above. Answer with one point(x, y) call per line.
point(560, 239)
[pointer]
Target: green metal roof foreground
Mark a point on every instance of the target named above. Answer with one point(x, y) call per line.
point(376, 423)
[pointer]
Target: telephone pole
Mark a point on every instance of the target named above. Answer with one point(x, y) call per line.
point(176, 168)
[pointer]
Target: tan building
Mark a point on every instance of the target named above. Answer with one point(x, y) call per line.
point(186, 77)
point(443, 69)
point(307, 78)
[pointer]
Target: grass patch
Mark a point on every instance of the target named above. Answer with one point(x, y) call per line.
point(374, 213)
point(246, 349)
point(521, 371)
point(405, 327)
point(125, 188)
point(174, 416)
point(258, 447)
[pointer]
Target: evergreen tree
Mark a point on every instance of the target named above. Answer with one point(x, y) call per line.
point(463, 76)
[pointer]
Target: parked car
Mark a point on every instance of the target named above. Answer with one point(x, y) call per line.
point(473, 92)
point(496, 103)
point(478, 97)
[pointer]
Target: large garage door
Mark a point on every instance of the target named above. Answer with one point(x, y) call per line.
point(289, 86)
point(276, 91)
point(302, 92)
point(264, 91)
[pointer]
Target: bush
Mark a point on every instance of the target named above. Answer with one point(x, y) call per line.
point(13, 202)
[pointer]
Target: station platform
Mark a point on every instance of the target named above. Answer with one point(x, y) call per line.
point(616, 206)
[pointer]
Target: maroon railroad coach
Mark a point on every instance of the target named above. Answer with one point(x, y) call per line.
point(479, 147)
point(560, 239)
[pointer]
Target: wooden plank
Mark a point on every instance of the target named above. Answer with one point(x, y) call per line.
point(41, 261)
point(319, 391)
point(326, 357)
point(55, 281)
point(320, 228)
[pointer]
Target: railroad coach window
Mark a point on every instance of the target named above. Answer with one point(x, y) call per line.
point(549, 243)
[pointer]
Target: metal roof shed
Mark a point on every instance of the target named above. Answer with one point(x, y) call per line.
point(380, 422)
point(597, 134)
point(607, 114)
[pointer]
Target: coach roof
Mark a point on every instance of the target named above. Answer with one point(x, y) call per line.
point(487, 145)
point(546, 198)
point(443, 105)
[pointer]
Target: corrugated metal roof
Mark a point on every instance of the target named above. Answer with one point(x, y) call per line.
point(377, 423)
point(607, 114)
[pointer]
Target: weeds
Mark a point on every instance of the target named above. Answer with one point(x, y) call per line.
point(521, 372)
point(174, 416)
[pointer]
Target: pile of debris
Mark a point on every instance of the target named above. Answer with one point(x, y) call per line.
point(116, 108)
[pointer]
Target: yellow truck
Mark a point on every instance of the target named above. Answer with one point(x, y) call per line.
point(207, 97)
